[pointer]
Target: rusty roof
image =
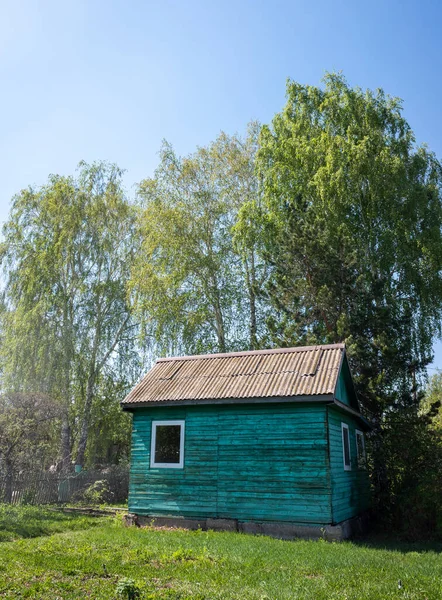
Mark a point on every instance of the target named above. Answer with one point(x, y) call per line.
point(282, 372)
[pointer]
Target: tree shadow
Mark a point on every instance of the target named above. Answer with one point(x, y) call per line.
point(18, 521)
point(394, 542)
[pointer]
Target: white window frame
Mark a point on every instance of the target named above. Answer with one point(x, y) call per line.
point(155, 465)
point(363, 464)
point(345, 426)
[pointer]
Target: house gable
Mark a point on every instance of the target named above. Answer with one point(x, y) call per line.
point(345, 390)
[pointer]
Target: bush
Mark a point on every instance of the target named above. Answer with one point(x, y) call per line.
point(107, 485)
point(408, 477)
point(98, 493)
point(127, 588)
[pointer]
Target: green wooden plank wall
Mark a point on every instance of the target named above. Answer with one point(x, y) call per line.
point(345, 391)
point(350, 489)
point(251, 462)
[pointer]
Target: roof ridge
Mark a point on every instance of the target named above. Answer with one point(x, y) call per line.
point(253, 352)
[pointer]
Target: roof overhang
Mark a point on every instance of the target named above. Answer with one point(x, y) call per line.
point(329, 399)
point(351, 411)
point(220, 401)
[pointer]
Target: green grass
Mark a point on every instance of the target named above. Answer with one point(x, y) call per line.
point(18, 522)
point(181, 565)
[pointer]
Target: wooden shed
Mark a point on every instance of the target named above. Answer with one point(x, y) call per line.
point(268, 441)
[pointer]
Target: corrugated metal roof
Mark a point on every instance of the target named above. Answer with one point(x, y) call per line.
point(282, 372)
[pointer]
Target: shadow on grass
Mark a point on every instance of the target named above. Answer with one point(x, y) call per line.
point(382, 540)
point(18, 522)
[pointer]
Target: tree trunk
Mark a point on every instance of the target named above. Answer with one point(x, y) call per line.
point(8, 481)
point(219, 321)
point(65, 442)
point(94, 371)
point(250, 274)
point(65, 449)
point(84, 432)
point(219, 326)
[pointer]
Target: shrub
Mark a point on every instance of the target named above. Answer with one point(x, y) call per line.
point(127, 588)
point(408, 491)
point(98, 492)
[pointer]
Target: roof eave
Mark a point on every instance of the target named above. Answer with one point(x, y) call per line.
point(130, 406)
point(345, 408)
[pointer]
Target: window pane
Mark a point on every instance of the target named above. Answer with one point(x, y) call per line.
point(346, 447)
point(361, 450)
point(167, 444)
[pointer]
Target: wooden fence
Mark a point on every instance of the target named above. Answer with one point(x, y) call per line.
point(55, 488)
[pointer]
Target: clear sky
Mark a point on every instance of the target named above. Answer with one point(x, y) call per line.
point(96, 79)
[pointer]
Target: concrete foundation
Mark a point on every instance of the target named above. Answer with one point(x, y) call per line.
point(281, 530)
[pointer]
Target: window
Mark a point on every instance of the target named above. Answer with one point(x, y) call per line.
point(167, 447)
point(346, 447)
point(360, 449)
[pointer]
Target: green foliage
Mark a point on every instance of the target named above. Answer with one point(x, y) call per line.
point(193, 284)
point(412, 459)
point(26, 432)
point(431, 404)
point(351, 222)
point(68, 328)
point(90, 563)
point(127, 588)
point(412, 451)
point(110, 429)
point(108, 485)
point(97, 493)
point(183, 554)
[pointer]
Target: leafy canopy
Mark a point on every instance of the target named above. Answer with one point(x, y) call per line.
point(195, 280)
point(67, 325)
point(352, 220)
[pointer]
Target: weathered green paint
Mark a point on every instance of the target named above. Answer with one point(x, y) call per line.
point(350, 489)
point(250, 462)
point(345, 391)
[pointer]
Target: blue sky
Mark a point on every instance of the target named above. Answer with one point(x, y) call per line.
point(95, 79)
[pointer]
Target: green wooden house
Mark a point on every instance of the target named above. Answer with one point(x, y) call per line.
point(268, 441)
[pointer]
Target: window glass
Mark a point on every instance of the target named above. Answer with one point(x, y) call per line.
point(360, 447)
point(167, 447)
point(346, 447)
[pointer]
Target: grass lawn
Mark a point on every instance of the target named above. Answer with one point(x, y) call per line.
point(32, 521)
point(176, 564)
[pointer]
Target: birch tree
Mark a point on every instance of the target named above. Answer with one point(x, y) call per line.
point(68, 250)
point(196, 284)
